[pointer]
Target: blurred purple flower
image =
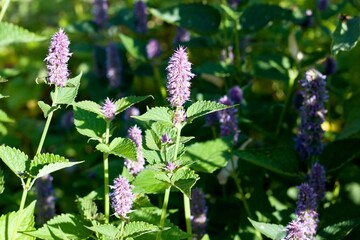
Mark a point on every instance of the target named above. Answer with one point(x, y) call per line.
point(233, 3)
point(170, 166)
point(236, 94)
point(198, 213)
point(113, 65)
point(312, 113)
point(308, 20)
point(306, 199)
point(58, 58)
point(132, 111)
point(153, 49)
point(122, 197)
point(100, 8)
point(317, 181)
point(67, 120)
point(330, 66)
point(45, 199)
point(303, 227)
point(211, 119)
point(228, 119)
point(108, 109)
point(134, 167)
point(140, 17)
point(322, 4)
point(182, 35)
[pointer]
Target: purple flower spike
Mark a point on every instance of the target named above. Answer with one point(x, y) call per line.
point(236, 94)
point(134, 167)
point(228, 119)
point(45, 199)
point(58, 58)
point(140, 17)
point(303, 227)
point(100, 8)
point(198, 213)
point(179, 116)
point(306, 199)
point(179, 76)
point(312, 113)
point(122, 197)
point(113, 65)
point(317, 181)
point(108, 109)
point(153, 49)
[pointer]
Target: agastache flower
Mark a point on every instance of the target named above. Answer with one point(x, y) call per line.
point(140, 17)
point(108, 109)
point(312, 113)
point(122, 197)
point(100, 8)
point(317, 181)
point(113, 65)
point(45, 199)
point(198, 213)
point(58, 58)
point(236, 94)
point(153, 49)
point(228, 119)
point(137, 166)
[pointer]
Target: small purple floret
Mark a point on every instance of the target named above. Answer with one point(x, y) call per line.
point(236, 94)
point(134, 167)
point(153, 49)
point(122, 197)
point(108, 109)
point(317, 181)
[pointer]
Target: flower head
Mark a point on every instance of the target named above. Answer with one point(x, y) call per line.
point(303, 227)
point(140, 16)
point(306, 199)
point(45, 199)
point(165, 139)
point(108, 109)
point(198, 212)
point(122, 197)
point(228, 119)
point(179, 76)
point(100, 8)
point(137, 166)
point(170, 166)
point(153, 49)
point(58, 58)
point(312, 113)
point(182, 35)
point(113, 65)
point(317, 181)
point(236, 94)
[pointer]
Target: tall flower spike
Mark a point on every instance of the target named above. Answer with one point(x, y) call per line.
point(236, 94)
point(100, 8)
point(108, 109)
point(45, 199)
point(140, 16)
point(306, 198)
point(58, 58)
point(317, 181)
point(312, 113)
point(134, 167)
point(228, 119)
point(198, 213)
point(113, 65)
point(122, 197)
point(179, 75)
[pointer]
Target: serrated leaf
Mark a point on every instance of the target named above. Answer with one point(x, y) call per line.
point(90, 106)
point(14, 159)
point(88, 124)
point(107, 230)
point(135, 229)
point(157, 114)
point(152, 156)
point(10, 33)
point(4, 117)
point(26, 223)
point(281, 160)
point(46, 109)
point(124, 103)
point(145, 182)
point(121, 147)
point(65, 225)
point(184, 180)
point(87, 206)
point(53, 167)
point(346, 35)
point(2, 181)
point(67, 94)
point(273, 231)
point(338, 230)
point(201, 108)
point(207, 156)
point(134, 47)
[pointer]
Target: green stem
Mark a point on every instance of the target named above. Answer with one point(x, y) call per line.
point(187, 216)
point(177, 143)
point(4, 8)
point(106, 176)
point(122, 230)
point(163, 213)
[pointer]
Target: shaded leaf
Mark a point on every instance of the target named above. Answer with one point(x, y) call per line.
point(87, 206)
point(134, 47)
point(2, 181)
point(201, 108)
point(10, 33)
point(351, 116)
point(338, 230)
point(184, 180)
point(346, 35)
point(90, 106)
point(135, 229)
point(272, 231)
point(126, 102)
point(107, 230)
point(157, 114)
point(14, 159)
point(46, 109)
point(121, 147)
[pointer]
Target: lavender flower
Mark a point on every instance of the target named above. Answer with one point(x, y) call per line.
point(236, 94)
point(182, 35)
point(108, 109)
point(45, 199)
point(306, 199)
point(140, 17)
point(58, 58)
point(132, 111)
point(179, 76)
point(100, 8)
point(228, 119)
point(317, 181)
point(312, 113)
point(153, 49)
point(122, 197)
point(137, 166)
point(113, 65)
point(198, 213)
point(179, 116)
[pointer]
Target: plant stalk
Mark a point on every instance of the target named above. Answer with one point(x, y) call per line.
point(106, 176)
point(163, 213)
point(187, 216)
point(4, 7)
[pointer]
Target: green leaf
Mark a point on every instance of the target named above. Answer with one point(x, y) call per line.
point(64, 225)
point(2, 181)
point(134, 47)
point(88, 123)
point(67, 94)
point(351, 116)
point(10, 33)
point(126, 102)
point(135, 229)
point(339, 153)
point(272, 231)
point(87, 206)
point(26, 223)
point(338, 230)
point(281, 160)
point(198, 17)
point(157, 114)
point(146, 182)
point(46, 109)
point(346, 35)
point(153, 136)
point(46, 163)
point(90, 106)
point(184, 180)
point(272, 66)
point(208, 156)
point(201, 108)
point(121, 147)
point(4, 117)
point(258, 16)
point(14, 159)
point(107, 230)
